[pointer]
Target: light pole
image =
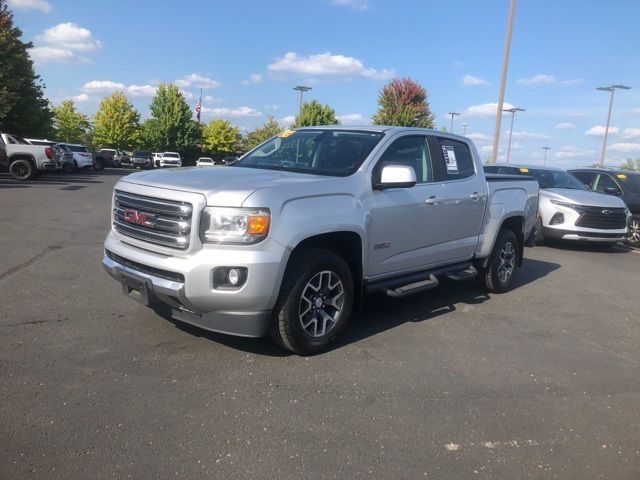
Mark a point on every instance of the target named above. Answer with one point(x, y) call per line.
point(464, 128)
point(453, 114)
point(503, 82)
point(513, 115)
point(612, 90)
point(301, 89)
point(546, 149)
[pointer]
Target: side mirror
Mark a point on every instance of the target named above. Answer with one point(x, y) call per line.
point(613, 191)
point(396, 176)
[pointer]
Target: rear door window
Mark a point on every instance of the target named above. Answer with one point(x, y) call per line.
point(585, 177)
point(452, 159)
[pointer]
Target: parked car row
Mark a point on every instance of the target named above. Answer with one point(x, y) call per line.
point(590, 204)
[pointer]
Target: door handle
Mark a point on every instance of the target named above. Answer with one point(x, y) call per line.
point(432, 200)
point(476, 196)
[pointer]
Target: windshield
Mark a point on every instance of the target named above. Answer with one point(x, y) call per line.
point(76, 148)
point(320, 152)
point(629, 181)
point(170, 155)
point(141, 153)
point(556, 179)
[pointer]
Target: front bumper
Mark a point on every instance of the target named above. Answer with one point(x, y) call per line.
point(188, 288)
point(603, 236)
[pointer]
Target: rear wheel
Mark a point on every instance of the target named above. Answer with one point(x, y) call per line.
point(22, 169)
point(499, 274)
point(315, 301)
point(633, 237)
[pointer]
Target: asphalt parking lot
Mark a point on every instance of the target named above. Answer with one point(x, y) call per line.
point(541, 382)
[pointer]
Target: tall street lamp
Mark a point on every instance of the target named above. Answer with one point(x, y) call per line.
point(503, 82)
point(301, 89)
point(513, 115)
point(611, 89)
point(453, 114)
point(546, 149)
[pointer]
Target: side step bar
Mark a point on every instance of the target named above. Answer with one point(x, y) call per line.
point(428, 284)
point(463, 274)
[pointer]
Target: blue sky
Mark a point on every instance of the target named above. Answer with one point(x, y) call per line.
point(247, 55)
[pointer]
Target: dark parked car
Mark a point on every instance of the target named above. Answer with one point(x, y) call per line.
point(621, 183)
point(140, 159)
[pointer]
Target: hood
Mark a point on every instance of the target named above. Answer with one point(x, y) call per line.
point(222, 186)
point(582, 197)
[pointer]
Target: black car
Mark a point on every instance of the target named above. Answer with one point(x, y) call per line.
point(622, 183)
point(140, 159)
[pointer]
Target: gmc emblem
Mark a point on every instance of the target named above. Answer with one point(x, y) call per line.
point(607, 212)
point(139, 218)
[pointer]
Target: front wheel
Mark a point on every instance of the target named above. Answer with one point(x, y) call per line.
point(315, 301)
point(499, 274)
point(633, 237)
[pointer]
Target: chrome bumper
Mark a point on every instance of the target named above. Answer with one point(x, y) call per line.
point(153, 291)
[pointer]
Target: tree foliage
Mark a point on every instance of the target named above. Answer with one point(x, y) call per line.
point(23, 108)
point(117, 123)
point(403, 102)
point(314, 113)
point(69, 125)
point(171, 126)
point(631, 164)
point(220, 138)
point(261, 134)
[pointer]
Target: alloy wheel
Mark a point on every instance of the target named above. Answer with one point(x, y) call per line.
point(507, 262)
point(321, 303)
point(634, 231)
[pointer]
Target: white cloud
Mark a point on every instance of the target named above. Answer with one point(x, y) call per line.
point(540, 79)
point(287, 121)
point(63, 43)
point(565, 126)
point(573, 152)
point(479, 137)
point(253, 79)
point(53, 54)
point(636, 111)
point(486, 149)
point(41, 5)
point(351, 118)
point(195, 80)
point(626, 147)
point(187, 95)
point(360, 5)
point(598, 131)
point(471, 81)
point(631, 133)
point(83, 97)
point(485, 109)
point(109, 86)
point(210, 99)
point(273, 107)
point(326, 64)
point(528, 135)
point(224, 112)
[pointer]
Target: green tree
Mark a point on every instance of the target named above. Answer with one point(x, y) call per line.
point(117, 123)
point(69, 124)
point(314, 113)
point(261, 134)
point(171, 126)
point(631, 164)
point(23, 108)
point(220, 138)
point(403, 102)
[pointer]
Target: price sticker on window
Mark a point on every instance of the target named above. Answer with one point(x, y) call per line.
point(450, 159)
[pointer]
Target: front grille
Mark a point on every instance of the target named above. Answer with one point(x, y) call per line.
point(157, 272)
point(602, 218)
point(153, 220)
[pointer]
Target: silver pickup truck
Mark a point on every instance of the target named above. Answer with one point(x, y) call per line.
point(25, 161)
point(288, 240)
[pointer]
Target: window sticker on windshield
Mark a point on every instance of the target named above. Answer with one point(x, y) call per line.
point(286, 133)
point(524, 170)
point(450, 159)
point(621, 176)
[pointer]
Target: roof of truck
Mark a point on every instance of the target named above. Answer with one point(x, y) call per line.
point(385, 129)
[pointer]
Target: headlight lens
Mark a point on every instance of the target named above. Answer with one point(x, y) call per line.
point(564, 204)
point(234, 225)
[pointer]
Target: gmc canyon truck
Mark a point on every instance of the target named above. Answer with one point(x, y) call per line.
point(288, 240)
point(25, 161)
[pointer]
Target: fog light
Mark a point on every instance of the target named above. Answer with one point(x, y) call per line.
point(233, 276)
point(557, 219)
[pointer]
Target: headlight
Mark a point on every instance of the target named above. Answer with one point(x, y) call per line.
point(564, 204)
point(234, 225)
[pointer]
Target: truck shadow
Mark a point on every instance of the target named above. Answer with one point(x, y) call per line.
point(382, 313)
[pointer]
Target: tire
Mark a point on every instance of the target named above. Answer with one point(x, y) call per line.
point(539, 240)
point(313, 277)
point(22, 169)
point(69, 167)
point(633, 238)
point(494, 278)
point(98, 164)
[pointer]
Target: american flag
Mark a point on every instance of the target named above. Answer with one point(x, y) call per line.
point(198, 108)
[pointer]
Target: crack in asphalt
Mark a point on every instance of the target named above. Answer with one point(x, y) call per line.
point(29, 262)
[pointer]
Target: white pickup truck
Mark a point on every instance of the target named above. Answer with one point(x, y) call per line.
point(25, 161)
point(288, 241)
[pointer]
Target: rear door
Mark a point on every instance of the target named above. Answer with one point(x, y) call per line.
point(463, 198)
point(588, 178)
